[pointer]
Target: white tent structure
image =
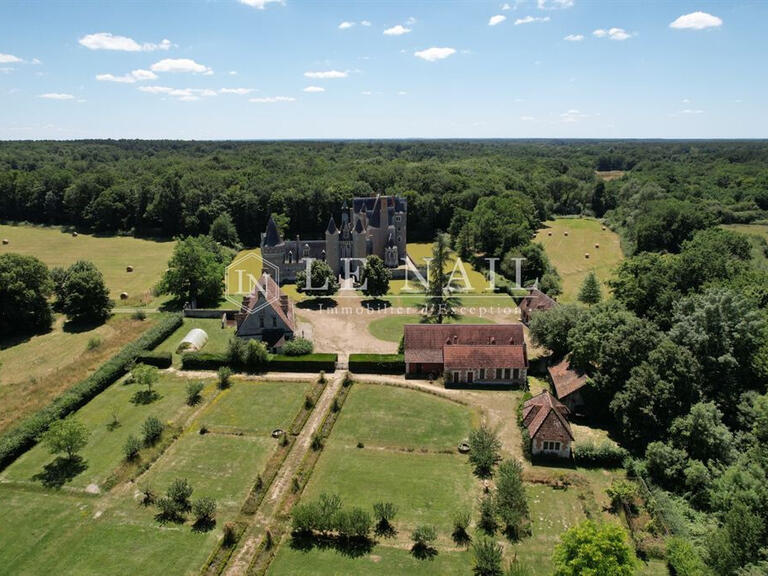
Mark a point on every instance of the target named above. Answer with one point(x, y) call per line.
point(193, 341)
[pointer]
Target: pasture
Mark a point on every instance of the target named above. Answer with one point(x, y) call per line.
point(80, 532)
point(567, 240)
point(55, 246)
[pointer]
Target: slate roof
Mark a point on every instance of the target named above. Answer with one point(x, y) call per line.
point(489, 356)
point(272, 235)
point(423, 343)
point(545, 409)
point(565, 379)
point(331, 226)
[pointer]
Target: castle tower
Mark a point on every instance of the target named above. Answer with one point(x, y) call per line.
point(359, 234)
point(332, 246)
point(391, 258)
point(272, 245)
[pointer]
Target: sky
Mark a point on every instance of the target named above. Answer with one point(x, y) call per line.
point(295, 69)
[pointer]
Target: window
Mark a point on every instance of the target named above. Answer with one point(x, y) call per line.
point(552, 446)
point(498, 373)
point(507, 373)
point(455, 377)
point(482, 373)
point(516, 374)
point(470, 376)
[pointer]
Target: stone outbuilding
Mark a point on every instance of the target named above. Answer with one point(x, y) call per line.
point(546, 420)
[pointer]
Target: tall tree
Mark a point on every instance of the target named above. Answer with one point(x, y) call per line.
point(590, 290)
point(223, 230)
point(323, 282)
point(82, 294)
point(376, 277)
point(25, 285)
point(440, 301)
point(196, 271)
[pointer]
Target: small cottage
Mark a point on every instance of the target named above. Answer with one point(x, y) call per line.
point(546, 420)
point(568, 384)
point(533, 302)
point(267, 315)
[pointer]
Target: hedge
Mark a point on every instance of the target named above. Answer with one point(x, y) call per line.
point(278, 362)
point(377, 363)
point(24, 435)
point(159, 359)
point(306, 363)
point(603, 455)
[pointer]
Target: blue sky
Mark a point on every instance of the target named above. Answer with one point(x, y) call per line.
point(293, 69)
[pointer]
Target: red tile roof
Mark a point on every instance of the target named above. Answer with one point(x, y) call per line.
point(534, 301)
point(566, 380)
point(460, 356)
point(538, 410)
point(423, 343)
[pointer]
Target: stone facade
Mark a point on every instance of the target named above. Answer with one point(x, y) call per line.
point(546, 420)
point(375, 225)
point(267, 315)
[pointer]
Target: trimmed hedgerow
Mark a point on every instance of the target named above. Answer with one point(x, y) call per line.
point(203, 360)
point(23, 436)
point(306, 363)
point(603, 455)
point(159, 359)
point(377, 363)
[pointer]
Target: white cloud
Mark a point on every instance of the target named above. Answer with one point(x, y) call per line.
point(314, 89)
point(612, 33)
point(685, 101)
point(180, 65)
point(130, 78)
point(574, 37)
point(402, 93)
point(366, 92)
point(434, 53)
point(272, 99)
point(237, 91)
point(326, 74)
point(9, 59)
point(56, 96)
point(506, 6)
point(365, 23)
point(696, 21)
point(261, 4)
point(398, 30)
point(108, 41)
point(232, 72)
point(346, 25)
point(183, 94)
point(691, 111)
point(527, 118)
point(572, 115)
point(498, 19)
point(411, 21)
point(531, 19)
point(554, 4)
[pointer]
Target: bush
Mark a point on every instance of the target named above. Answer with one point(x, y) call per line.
point(357, 524)
point(169, 510)
point(298, 347)
point(19, 439)
point(158, 359)
point(139, 315)
point(682, 558)
point(131, 447)
point(487, 521)
point(461, 520)
point(603, 455)
point(225, 373)
point(151, 430)
point(193, 392)
point(93, 342)
point(377, 363)
point(423, 536)
point(204, 510)
point(230, 535)
point(180, 491)
point(307, 363)
point(484, 447)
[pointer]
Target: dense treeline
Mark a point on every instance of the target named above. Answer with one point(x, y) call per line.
point(179, 188)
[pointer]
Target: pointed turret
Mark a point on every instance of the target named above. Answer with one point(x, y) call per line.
point(331, 227)
point(272, 237)
point(375, 220)
point(359, 226)
point(391, 241)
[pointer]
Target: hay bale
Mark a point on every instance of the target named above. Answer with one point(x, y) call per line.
point(549, 233)
point(74, 234)
point(603, 228)
point(597, 245)
point(129, 268)
point(5, 241)
point(565, 233)
point(123, 295)
point(586, 255)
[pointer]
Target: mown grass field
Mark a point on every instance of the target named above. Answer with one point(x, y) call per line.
point(408, 457)
point(758, 236)
point(218, 337)
point(111, 254)
point(567, 252)
point(390, 328)
point(36, 369)
point(69, 531)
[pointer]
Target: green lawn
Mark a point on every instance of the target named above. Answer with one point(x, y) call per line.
point(111, 254)
point(70, 532)
point(104, 451)
point(397, 417)
point(235, 410)
point(567, 253)
point(218, 337)
point(390, 328)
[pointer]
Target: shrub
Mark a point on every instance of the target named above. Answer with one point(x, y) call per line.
point(604, 455)
point(225, 374)
point(306, 363)
point(131, 447)
point(230, 535)
point(461, 520)
point(93, 342)
point(487, 521)
point(358, 523)
point(423, 537)
point(298, 347)
point(203, 361)
point(139, 315)
point(151, 430)
point(682, 558)
point(180, 491)
point(256, 356)
point(385, 512)
point(317, 442)
point(204, 510)
point(488, 556)
point(304, 517)
point(484, 448)
point(510, 497)
point(622, 493)
point(308, 402)
point(193, 392)
point(158, 359)
point(169, 510)
point(22, 437)
point(377, 363)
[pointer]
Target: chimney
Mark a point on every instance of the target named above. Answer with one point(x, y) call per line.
point(284, 303)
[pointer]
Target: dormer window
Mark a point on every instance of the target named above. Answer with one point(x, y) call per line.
point(448, 341)
point(492, 340)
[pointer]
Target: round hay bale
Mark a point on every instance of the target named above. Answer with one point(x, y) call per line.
point(6, 241)
point(549, 233)
point(123, 295)
point(586, 255)
point(129, 268)
point(277, 432)
point(565, 233)
point(603, 228)
point(74, 234)
point(597, 245)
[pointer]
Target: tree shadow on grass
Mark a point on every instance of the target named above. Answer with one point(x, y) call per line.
point(352, 547)
point(423, 551)
point(78, 326)
point(384, 529)
point(143, 397)
point(317, 304)
point(461, 538)
point(376, 304)
point(57, 473)
point(204, 525)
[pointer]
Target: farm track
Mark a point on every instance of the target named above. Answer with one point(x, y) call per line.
point(270, 505)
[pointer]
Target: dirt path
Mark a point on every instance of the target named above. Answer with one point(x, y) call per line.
point(270, 506)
